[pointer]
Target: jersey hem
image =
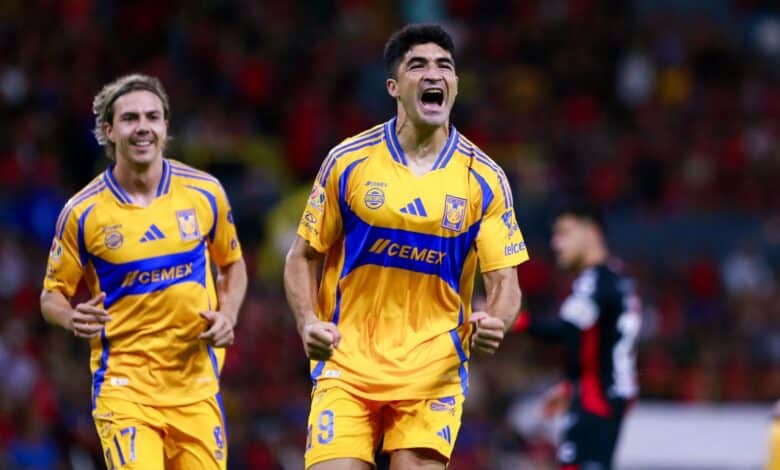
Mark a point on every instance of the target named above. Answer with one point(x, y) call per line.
point(393, 395)
point(150, 401)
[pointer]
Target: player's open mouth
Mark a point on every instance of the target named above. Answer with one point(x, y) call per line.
point(142, 143)
point(432, 99)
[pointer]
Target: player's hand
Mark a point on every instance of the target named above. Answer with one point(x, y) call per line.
point(320, 339)
point(488, 334)
point(220, 332)
point(88, 318)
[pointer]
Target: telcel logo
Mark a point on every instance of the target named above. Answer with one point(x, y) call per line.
point(513, 248)
point(425, 255)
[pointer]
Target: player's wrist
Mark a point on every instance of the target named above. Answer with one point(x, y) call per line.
point(231, 317)
point(306, 319)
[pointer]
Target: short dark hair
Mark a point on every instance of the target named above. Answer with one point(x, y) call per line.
point(411, 35)
point(584, 211)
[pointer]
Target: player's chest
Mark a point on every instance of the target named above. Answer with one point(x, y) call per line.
point(439, 201)
point(165, 227)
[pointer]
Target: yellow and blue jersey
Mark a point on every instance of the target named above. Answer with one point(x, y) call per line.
point(402, 253)
point(154, 264)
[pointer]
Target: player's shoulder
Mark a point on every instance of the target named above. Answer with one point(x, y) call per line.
point(89, 194)
point(190, 175)
point(614, 276)
point(358, 143)
point(478, 160)
point(606, 282)
point(352, 149)
point(81, 201)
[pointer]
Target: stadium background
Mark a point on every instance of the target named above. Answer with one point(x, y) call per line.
point(665, 112)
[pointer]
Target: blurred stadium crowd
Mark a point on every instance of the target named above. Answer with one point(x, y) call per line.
point(664, 112)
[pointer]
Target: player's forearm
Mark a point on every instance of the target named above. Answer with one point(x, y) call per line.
point(300, 285)
point(231, 288)
point(503, 296)
point(56, 309)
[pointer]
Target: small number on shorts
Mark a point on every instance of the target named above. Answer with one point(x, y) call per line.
point(220, 441)
point(109, 460)
point(325, 422)
point(130, 447)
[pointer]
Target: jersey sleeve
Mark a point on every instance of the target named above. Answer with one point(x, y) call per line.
point(499, 241)
point(225, 248)
point(64, 268)
point(321, 223)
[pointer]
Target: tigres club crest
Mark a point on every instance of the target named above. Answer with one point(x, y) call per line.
point(454, 213)
point(509, 222)
point(188, 224)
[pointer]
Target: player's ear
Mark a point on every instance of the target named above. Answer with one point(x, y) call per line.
point(107, 130)
point(455, 91)
point(392, 87)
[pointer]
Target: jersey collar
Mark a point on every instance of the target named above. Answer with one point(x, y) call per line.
point(162, 188)
point(391, 139)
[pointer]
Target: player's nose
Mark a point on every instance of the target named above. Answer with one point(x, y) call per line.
point(143, 126)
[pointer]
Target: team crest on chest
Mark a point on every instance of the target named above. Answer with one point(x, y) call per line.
point(454, 213)
point(374, 198)
point(113, 238)
point(188, 224)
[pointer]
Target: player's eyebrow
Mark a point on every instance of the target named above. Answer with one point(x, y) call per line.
point(423, 60)
point(445, 61)
point(133, 114)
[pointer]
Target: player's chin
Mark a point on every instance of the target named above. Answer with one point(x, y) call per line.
point(433, 118)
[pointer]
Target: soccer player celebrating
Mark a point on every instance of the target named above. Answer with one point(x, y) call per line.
point(143, 235)
point(401, 214)
point(598, 324)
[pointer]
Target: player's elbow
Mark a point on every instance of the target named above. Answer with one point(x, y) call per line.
point(48, 303)
point(301, 251)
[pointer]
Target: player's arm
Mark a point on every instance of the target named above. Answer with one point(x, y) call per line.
point(231, 282)
point(64, 270)
point(502, 304)
point(300, 285)
point(85, 321)
point(231, 288)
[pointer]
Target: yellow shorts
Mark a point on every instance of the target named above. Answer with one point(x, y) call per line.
point(774, 445)
point(136, 436)
point(342, 425)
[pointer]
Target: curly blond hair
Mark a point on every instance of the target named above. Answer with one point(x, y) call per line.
point(103, 104)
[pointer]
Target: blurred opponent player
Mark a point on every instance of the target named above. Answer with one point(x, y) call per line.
point(143, 235)
point(401, 213)
point(598, 324)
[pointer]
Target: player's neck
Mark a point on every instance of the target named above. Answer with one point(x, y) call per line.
point(421, 144)
point(140, 182)
point(594, 257)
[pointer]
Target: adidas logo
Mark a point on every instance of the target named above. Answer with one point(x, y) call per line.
point(445, 434)
point(151, 234)
point(415, 208)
